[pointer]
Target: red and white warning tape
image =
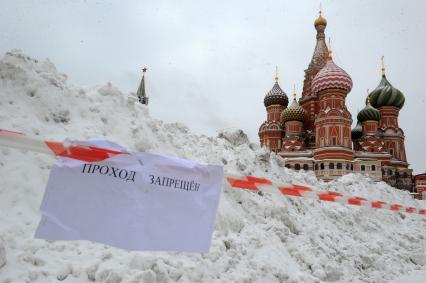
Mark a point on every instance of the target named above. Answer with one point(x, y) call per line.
point(94, 154)
point(262, 184)
point(84, 153)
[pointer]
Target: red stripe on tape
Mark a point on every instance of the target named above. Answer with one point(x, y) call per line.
point(258, 180)
point(89, 154)
point(422, 211)
point(10, 132)
point(336, 194)
point(378, 204)
point(395, 207)
point(242, 184)
point(327, 197)
point(356, 201)
point(301, 188)
point(410, 209)
point(290, 192)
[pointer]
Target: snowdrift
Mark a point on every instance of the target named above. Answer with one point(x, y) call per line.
point(257, 238)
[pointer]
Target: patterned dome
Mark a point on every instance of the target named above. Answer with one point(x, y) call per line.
point(386, 95)
point(276, 96)
point(331, 76)
point(369, 113)
point(293, 113)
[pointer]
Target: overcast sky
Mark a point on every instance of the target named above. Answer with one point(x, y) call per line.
point(211, 62)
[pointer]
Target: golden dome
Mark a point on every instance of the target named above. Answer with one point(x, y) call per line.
point(320, 21)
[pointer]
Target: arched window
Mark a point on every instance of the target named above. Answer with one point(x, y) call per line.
point(316, 166)
point(347, 166)
point(305, 167)
point(362, 167)
point(297, 166)
point(405, 175)
point(373, 167)
point(287, 166)
point(383, 172)
point(322, 166)
point(352, 167)
point(390, 172)
point(331, 165)
point(339, 165)
point(397, 174)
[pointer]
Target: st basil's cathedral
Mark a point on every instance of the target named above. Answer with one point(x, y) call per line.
point(314, 132)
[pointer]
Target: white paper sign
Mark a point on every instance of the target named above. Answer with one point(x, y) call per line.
point(136, 201)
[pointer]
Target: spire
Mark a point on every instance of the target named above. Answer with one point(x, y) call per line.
point(329, 54)
point(141, 90)
point(294, 91)
point(320, 53)
point(383, 66)
point(368, 101)
point(276, 74)
point(320, 21)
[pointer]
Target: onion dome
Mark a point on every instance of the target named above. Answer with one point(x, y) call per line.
point(320, 21)
point(369, 113)
point(294, 112)
point(331, 76)
point(386, 95)
point(276, 96)
point(357, 131)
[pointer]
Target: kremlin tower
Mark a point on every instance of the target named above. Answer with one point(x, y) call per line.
point(314, 133)
point(141, 90)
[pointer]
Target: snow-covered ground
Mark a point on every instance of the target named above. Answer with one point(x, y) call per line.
point(257, 238)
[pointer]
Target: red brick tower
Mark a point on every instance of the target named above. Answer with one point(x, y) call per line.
point(271, 131)
point(333, 122)
point(309, 100)
point(389, 100)
point(371, 139)
point(293, 119)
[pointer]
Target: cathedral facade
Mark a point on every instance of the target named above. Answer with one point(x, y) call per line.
point(314, 132)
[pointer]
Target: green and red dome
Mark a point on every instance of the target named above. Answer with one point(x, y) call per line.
point(369, 113)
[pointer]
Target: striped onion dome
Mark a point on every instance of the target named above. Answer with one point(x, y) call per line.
point(386, 95)
point(276, 96)
point(357, 131)
point(331, 76)
point(293, 113)
point(369, 113)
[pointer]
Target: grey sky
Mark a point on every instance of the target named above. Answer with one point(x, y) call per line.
point(211, 62)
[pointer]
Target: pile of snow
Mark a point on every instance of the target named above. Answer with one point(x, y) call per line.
point(257, 237)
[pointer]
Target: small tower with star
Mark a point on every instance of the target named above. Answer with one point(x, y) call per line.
point(141, 90)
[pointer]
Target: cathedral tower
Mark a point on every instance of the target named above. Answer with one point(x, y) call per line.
point(309, 100)
point(389, 100)
point(333, 122)
point(271, 131)
point(293, 119)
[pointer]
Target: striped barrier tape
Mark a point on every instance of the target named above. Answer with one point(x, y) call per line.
point(93, 154)
point(261, 184)
point(85, 153)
